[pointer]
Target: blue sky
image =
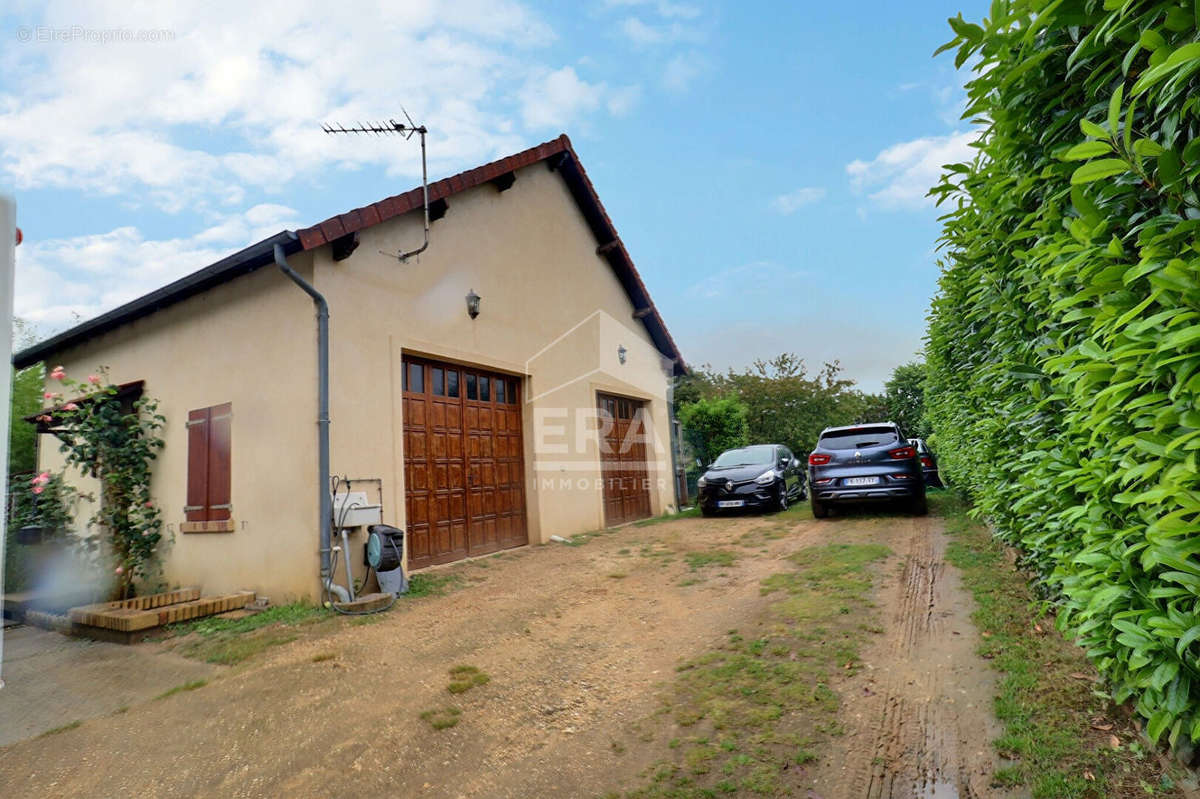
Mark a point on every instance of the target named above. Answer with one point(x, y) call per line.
point(765, 163)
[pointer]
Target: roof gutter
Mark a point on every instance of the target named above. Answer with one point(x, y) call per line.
point(324, 501)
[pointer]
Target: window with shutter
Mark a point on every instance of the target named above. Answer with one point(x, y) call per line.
point(209, 506)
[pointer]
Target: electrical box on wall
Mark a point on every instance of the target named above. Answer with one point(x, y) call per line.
point(351, 509)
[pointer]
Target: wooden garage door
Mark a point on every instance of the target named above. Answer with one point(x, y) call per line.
point(623, 463)
point(464, 473)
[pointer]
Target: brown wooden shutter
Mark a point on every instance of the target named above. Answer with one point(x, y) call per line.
point(198, 425)
point(219, 507)
point(208, 473)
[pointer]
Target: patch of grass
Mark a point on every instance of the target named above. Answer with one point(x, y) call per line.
point(712, 557)
point(442, 718)
point(758, 707)
point(228, 650)
point(464, 678)
point(438, 584)
point(228, 641)
point(1048, 713)
point(294, 614)
point(187, 686)
point(690, 513)
point(63, 728)
point(323, 656)
point(618, 575)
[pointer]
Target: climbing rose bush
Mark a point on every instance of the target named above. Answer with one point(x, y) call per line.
point(105, 438)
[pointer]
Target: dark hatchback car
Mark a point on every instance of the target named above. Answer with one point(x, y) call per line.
point(766, 476)
point(929, 466)
point(865, 463)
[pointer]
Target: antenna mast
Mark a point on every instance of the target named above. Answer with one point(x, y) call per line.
point(407, 131)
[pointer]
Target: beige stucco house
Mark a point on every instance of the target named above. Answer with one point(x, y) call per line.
point(544, 410)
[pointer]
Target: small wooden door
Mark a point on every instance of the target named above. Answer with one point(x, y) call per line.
point(624, 467)
point(464, 470)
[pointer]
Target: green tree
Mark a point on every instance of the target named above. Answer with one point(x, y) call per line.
point(712, 426)
point(904, 396)
point(26, 400)
point(784, 403)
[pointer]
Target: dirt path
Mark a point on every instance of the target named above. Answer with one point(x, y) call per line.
point(579, 643)
point(919, 716)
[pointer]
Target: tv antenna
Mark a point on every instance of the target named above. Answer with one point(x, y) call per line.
point(407, 131)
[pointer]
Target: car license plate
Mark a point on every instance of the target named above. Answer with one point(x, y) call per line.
point(861, 481)
point(731, 503)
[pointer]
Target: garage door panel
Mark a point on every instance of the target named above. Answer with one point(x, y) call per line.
point(417, 475)
point(463, 443)
point(624, 468)
point(437, 444)
point(418, 543)
point(415, 411)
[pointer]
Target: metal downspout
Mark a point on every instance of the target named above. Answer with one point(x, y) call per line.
point(325, 502)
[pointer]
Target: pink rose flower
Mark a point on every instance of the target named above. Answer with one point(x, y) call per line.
point(149, 504)
point(41, 479)
point(47, 395)
point(38, 489)
point(120, 570)
point(70, 406)
point(94, 379)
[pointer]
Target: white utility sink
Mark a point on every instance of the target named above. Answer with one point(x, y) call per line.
point(353, 510)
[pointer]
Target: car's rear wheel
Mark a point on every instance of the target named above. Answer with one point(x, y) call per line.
point(919, 506)
point(820, 509)
point(707, 511)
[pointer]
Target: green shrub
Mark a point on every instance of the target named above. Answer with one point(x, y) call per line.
point(714, 425)
point(1064, 345)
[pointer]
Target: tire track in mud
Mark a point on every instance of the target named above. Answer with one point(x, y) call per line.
point(918, 718)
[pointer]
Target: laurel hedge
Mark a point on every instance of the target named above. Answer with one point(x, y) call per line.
point(1064, 343)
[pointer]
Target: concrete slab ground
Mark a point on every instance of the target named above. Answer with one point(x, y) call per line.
point(52, 680)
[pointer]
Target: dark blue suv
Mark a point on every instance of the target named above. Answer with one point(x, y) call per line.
point(865, 463)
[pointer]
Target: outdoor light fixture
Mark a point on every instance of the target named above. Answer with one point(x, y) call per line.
point(621, 352)
point(472, 304)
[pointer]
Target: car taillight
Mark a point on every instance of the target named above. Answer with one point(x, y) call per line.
point(902, 476)
point(927, 461)
point(824, 481)
point(903, 453)
point(818, 460)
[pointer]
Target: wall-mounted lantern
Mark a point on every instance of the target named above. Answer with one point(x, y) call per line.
point(621, 352)
point(472, 304)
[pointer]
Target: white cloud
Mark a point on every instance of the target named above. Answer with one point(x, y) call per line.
point(622, 101)
point(754, 278)
point(553, 99)
point(900, 176)
point(640, 33)
point(232, 103)
point(682, 70)
point(664, 8)
point(644, 34)
point(60, 281)
point(793, 201)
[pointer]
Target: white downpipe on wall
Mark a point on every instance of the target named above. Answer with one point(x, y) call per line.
point(8, 255)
